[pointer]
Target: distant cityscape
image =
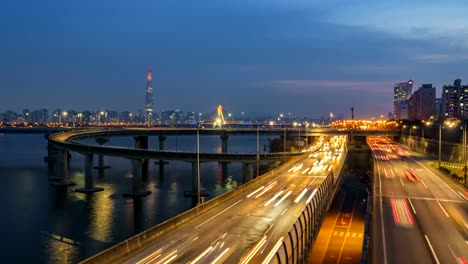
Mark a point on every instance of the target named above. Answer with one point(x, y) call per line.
point(420, 105)
point(423, 105)
point(164, 118)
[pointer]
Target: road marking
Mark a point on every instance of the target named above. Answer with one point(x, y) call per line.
point(443, 209)
point(341, 233)
point(354, 234)
point(219, 213)
point(335, 233)
point(347, 232)
point(412, 207)
point(284, 211)
point(424, 184)
point(360, 235)
point(432, 249)
point(453, 253)
point(381, 218)
point(402, 182)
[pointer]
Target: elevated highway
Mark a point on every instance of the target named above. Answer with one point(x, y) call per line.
point(271, 219)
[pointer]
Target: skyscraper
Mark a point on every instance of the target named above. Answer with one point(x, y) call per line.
point(149, 98)
point(422, 103)
point(454, 100)
point(401, 94)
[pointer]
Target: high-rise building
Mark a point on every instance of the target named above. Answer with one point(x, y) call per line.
point(401, 93)
point(455, 100)
point(422, 103)
point(149, 98)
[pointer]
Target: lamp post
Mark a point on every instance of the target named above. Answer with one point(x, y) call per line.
point(284, 141)
point(198, 164)
point(464, 153)
point(440, 141)
point(258, 153)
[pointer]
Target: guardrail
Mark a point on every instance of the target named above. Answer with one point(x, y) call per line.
point(452, 165)
point(297, 244)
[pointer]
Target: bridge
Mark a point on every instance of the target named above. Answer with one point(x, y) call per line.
point(61, 144)
point(273, 218)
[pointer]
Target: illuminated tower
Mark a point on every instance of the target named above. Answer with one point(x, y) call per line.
point(149, 98)
point(219, 118)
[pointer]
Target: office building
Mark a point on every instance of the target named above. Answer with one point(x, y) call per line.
point(401, 93)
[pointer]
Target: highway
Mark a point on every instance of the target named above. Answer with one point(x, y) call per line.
point(419, 216)
point(250, 227)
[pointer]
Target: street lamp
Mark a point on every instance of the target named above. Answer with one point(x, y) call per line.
point(198, 164)
point(258, 153)
point(284, 143)
point(440, 141)
point(80, 115)
point(464, 153)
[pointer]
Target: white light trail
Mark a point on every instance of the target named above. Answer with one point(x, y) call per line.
point(300, 195)
point(311, 196)
point(273, 198)
point(282, 199)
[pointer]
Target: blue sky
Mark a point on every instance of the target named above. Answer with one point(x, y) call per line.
point(304, 57)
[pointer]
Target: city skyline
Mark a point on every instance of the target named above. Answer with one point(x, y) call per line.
point(306, 58)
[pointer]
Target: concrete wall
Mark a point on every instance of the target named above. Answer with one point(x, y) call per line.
point(297, 244)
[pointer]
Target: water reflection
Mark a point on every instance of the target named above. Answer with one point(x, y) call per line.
point(60, 224)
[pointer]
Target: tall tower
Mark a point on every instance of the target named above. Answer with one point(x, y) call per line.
point(401, 95)
point(149, 98)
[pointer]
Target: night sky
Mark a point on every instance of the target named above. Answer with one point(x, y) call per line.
point(256, 56)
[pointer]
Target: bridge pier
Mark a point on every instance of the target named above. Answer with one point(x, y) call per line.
point(137, 188)
point(89, 181)
point(161, 140)
point(141, 142)
point(61, 169)
point(101, 164)
point(247, 171)
point(224, 137)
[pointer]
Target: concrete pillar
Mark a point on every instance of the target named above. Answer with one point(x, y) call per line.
point(61, 169)
point(89, 181)
point(195, 184)
point(141, 142)
point(224, 138)
point(224, 171)
point(137, 188)
point(161, 140)
point(101, 164)
point(247, 169)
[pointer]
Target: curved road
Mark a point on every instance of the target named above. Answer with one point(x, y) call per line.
point(248, 227)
